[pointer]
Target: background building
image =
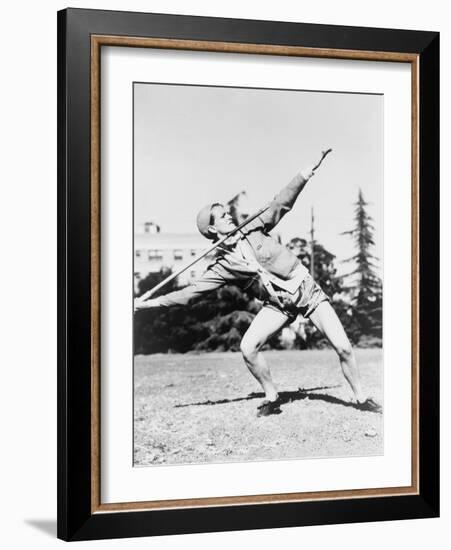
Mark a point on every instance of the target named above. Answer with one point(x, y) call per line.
point(155, 251)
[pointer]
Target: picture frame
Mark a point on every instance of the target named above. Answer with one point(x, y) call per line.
point(81, 36)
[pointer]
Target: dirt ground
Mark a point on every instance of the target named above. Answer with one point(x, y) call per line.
point(202, 408)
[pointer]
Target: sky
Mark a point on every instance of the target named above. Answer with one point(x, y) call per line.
point(198, 144)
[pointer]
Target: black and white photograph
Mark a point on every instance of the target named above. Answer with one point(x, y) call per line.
point(257, 274)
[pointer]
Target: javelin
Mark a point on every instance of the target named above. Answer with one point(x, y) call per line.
point(173, 276)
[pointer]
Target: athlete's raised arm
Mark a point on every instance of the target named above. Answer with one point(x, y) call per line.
point(285, 199)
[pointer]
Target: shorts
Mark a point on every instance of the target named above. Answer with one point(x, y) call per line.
point(304, 302)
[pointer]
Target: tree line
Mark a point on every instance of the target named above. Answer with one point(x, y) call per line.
point(218, 320)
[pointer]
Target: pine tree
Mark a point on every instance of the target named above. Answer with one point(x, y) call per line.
point(365, 286)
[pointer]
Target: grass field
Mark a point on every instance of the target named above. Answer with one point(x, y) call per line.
point(202, 408)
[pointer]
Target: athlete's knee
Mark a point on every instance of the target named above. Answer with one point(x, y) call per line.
point(249, 349)
point(344, 350)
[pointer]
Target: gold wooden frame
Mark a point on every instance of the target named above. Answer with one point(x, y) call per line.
point(97, 41)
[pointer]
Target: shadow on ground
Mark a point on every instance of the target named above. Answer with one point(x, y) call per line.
point(288, 397)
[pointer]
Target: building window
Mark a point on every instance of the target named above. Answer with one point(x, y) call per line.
point(154, 254)
point(138, 253)
point(151, 227)
point(178, 254)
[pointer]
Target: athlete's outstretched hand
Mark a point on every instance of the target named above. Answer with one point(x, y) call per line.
point(139, 304)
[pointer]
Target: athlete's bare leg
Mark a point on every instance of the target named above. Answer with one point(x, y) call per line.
point(266, 323)
point(326, 320)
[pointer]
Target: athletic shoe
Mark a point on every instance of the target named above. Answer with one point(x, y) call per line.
point(269, 407)
point(369, 405)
